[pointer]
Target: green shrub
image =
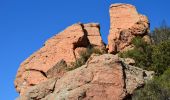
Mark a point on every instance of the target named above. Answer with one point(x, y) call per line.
point(161, 34)
point(154, 57)
point(157, 89)
point(141, 53)
point(161, 57)
point(149, 57)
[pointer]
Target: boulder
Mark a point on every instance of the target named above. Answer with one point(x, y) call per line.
point(103, 77)
point(135, 77)
point(128, 61)
point(125, 24)
point(100, 79)
point(62, 46)
point(39, 91)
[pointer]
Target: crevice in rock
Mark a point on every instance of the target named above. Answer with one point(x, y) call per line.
point(51, 90)
point(74, 54)
point(82, 96)
point(54, 86)
point(43, 73)
point(124, 74)
point(81, 40)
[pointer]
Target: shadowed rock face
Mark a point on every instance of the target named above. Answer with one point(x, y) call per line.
point(125, 24)
point(63, 46)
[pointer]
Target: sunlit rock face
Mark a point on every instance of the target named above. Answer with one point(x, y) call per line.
point(125, 24)
point(45, 75)
point(65, 45)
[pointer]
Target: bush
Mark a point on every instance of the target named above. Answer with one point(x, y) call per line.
point(161, 34)
point(84, 56)
point(161, 57)
point(150, 57)
point(141, 53)
point(157, 89)
point(154, 57)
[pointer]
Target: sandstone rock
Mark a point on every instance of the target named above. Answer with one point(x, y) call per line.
point(149, 75)
point(93, 34)
point(79, 50)
point(128, 61)
point(126, 24)
point(44, 75)
point(58, 70)
point(103, 77)
point(147, 39)
point(39, 91)
point(100, 79)
point(62, 46)
point(135, 77)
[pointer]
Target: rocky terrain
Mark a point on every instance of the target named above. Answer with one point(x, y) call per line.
point(44, 75)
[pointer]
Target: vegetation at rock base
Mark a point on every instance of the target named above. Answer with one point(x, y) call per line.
point(157, 89)
point(156, 57)
point(84, 56)
point(141, 53)
point(161, 57)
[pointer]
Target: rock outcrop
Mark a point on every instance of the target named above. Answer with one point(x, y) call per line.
point(64, 46)
point(125, 24)
point(45, 75)
point(135, 77)
point(103, 77)
point(93, 34)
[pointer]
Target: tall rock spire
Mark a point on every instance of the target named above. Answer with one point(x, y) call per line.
point(125, 24)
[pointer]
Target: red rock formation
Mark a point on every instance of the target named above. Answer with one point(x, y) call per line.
point(62, 46)
point(103, 77)
point(126, 24)
point(93, 34)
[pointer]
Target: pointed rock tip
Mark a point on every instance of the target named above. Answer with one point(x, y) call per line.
point(121, 4)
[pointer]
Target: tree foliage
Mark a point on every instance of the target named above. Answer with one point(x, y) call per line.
point(161, 56)
point(154, 57)
point(157, 89)
point(161, 34)
point(141, 53)
point(150, 57)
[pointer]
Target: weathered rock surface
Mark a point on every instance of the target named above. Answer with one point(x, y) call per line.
point(44, 75)
point(93, 34)
point(58, 70)
point(126, 24)
point(63, 46)
point(135, 77)
point(39, 91)
point(103, 77)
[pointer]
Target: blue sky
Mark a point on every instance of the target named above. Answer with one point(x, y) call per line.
point(26, 24)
